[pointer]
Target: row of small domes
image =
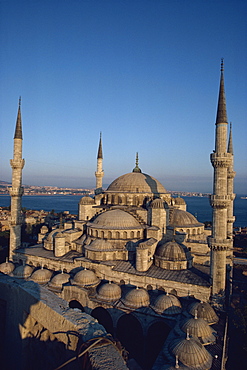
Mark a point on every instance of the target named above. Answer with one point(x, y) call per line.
point(168, 304)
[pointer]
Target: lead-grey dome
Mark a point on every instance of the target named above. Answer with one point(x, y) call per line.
point(59, 280)
point(204, 311)
point(86, 200)
point(7, 267)
point(41, 276)
point(109, 292)
point(192, 354)
point(181, 218)
point(137, 298)
point(171, 251)
point(167, 304)
point(115, 218)
point(85, 278)
point(23, 271)
point(136, 182)
point(200, 329)
point(157, 204)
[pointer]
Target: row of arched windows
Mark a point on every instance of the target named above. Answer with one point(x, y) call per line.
point(115, 234)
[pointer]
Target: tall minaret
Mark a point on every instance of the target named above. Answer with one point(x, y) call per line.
point(221, 160)
point(230, 179)
point(16, 191)
point(220, 199)
point(99, 174)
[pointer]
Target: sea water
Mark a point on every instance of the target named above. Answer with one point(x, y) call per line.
point(198, 206)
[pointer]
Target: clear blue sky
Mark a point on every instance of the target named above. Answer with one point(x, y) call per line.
point(145, 73)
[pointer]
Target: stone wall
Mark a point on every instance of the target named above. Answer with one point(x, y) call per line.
point(40, 331)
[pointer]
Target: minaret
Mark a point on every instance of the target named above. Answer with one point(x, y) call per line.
point(220, 199)
point(230, 179)
point(99, 174)
point(16, 191)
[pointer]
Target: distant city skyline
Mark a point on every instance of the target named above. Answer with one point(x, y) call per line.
point(145, 74)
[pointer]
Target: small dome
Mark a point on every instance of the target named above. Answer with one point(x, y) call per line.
point(7, 267)
point(86, 200)
point(44, 229)
point(179, 201)
point(137, 298)
point(200, 329)
point(204, 311)
point(181, 218)
point(172, 251)
point(167, 304)
point(23, 271)
point(117, 219)
point(60, 235)
point(41, 276)
point(85, 278)
point(192, 354)
point(100, 245)
point(109, 292)
point(59, 280)
point(157, 203)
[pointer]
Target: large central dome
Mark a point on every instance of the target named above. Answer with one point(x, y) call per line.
point(136, 182)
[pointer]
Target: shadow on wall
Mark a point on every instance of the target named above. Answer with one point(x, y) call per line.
point(26, 343)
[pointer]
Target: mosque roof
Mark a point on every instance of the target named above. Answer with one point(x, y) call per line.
point(100, 245)
point(171, 251)
point(200, 329)
point(192, 354)
point(109, 292)
point(167, 304)
point(86, 200)
point(136, 298)
point(23, 271)
point(85, 278)
point(115, 218)
point(58, 280)
point(136, 182)
point(7, 267)
point(41, 276)
point(157, 203)
point(204, 311)
point(181, 218)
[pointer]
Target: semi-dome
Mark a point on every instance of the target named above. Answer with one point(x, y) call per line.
point(181, 218)
point(136, 182)
point(200, 329)
point(157, 204)
point(179, 201)
point(59, 280)
point(7, 267)
point(109, 292)
point(192, 354)
point(167, 304)
point(41, 276)
point(136, 298)
point(85, 278)
point(171, 251)
point(86, 200)
point(204, 311)
point(99, 245)
point(115, 218)
point(23, 271)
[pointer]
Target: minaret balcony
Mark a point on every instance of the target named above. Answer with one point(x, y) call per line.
point(221, 160)
point(220, 201)
point(17, 163)
point(16, 192)
point(231, 174)
point(231, 219)
point(216, 244)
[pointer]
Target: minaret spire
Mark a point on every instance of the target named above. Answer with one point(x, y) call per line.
point(16, 191)
point(230, 145)
point(221, 116)
point(99, 174)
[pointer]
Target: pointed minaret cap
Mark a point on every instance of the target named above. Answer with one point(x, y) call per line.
point(100, 151)
point(221, 110)
point(18, 128)
point(230, 146)
point(137, 169)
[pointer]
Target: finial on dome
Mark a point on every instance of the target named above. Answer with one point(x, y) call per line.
point(188, 336)
point(137, 169)
point(196, 314)
point(176, 365)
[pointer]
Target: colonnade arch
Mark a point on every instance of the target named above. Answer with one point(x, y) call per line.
point(156, 336)
point(104, 318)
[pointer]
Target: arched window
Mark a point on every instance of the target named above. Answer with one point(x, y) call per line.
point(174, 292)
point(109, 234)
point(102, 234)
point(117, 235)
point(132, 234)
point(125, 235)
point(104, 256)
point(138, 234)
